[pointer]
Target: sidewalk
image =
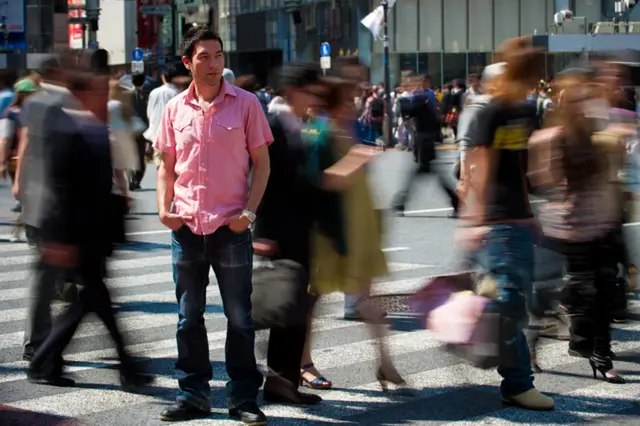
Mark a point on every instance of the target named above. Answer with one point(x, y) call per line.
point(10, 416)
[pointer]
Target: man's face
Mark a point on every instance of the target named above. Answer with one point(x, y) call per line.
point(426, 83)
point(207, 63)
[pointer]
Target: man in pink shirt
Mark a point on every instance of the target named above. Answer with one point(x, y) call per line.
point(208, 137)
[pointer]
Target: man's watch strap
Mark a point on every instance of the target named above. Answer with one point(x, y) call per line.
point(251, 216)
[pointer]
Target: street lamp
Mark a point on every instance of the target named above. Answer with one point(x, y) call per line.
point(387, 78)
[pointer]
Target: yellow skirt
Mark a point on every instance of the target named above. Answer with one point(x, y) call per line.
point(351, 273)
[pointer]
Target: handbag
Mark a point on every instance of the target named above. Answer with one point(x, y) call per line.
point(279, 297)
point(459, 318)
point(437, 291)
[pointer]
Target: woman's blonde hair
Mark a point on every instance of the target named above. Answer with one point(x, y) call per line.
point(125, 97)
point(524, 65)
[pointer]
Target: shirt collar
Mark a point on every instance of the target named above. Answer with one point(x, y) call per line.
point(225, 89)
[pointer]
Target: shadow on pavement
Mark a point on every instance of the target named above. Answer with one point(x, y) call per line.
point(10, 416)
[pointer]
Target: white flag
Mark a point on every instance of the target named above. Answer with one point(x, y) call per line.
point(375, 20)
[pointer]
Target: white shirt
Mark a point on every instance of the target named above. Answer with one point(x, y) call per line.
point(158, 100)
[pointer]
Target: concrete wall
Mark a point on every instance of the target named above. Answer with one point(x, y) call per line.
point(117, 30)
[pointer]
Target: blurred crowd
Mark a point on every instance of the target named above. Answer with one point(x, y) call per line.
point(282, 174)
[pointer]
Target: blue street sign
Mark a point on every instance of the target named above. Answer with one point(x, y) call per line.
point(137, 54)
point(93, 45)
point(325, 49)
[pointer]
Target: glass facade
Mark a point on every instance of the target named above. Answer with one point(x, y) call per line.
point(449, 39)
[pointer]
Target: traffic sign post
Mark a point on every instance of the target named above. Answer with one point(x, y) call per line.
point(137, 67)
point(137, 55)
point(325, 63)
point(325, 57)
point(325, 49)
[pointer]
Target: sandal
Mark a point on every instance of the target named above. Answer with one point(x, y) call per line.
point(317, 383)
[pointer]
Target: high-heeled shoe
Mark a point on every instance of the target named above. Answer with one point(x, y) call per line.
point(607, 372)
point(317, 383)
point(399, 383)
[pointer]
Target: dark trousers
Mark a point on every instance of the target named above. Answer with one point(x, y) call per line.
point(283, 358)
point(46, 281)
point(230, 254)
point(135, 177)
point(93, 297)
point(592, 269)
point(424, 154)
point(404, 195)
point(284, 354)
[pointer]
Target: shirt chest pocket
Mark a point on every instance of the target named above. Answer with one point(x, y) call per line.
point(227, 127)
point(185, 133)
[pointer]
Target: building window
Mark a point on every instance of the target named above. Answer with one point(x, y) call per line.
point(431, 64)
point(408, 64)
point(477, 62)
point(454, 66)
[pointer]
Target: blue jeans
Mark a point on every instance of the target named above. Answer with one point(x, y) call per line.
point(510, 261)
point(230, 255)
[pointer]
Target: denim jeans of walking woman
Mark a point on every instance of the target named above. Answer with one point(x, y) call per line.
point(509, 258)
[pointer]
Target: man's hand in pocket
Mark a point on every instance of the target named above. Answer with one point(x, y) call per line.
point(174, 221)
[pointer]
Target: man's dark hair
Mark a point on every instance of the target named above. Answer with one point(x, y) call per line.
point(48, 68)
point(194, 36)
point(8, 77)
point(170, 73)
point(138, 80)
point(299, 74)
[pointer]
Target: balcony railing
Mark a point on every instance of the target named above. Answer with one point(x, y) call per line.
point(616, 28)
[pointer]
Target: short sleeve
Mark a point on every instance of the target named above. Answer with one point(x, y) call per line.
point(256, 125)
point(7, 128)
point(484, 127)
point(467, 124)
point(165, 140)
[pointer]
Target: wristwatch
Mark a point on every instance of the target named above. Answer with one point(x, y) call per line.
point(251, 216)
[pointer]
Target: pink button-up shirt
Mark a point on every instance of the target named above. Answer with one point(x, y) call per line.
point(212, 153)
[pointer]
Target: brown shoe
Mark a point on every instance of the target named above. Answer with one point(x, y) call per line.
point(530, 400)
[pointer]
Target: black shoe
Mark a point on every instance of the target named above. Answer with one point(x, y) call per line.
point(28, 355)
point(298, 398)
point(51, 380)
point(132, 382)
point(181, 411)
point(249, 414)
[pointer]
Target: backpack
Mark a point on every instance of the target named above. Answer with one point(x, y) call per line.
point(377, 107)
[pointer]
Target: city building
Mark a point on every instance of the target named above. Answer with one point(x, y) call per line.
point(449, 39)
point(259, 35)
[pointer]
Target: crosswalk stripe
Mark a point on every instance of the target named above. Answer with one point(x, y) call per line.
point(132, 321)
point(586, 404)
point(157, 349)
point(340, 404)
point(19, 314)
point(120, 264)
point(345, 346)
point(166, 277)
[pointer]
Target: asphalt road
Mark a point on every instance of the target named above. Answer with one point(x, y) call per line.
point(417, 245)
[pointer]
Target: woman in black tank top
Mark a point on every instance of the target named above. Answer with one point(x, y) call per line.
point(501, 215)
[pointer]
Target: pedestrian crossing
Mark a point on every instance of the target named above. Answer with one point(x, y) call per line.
point(447, 390)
